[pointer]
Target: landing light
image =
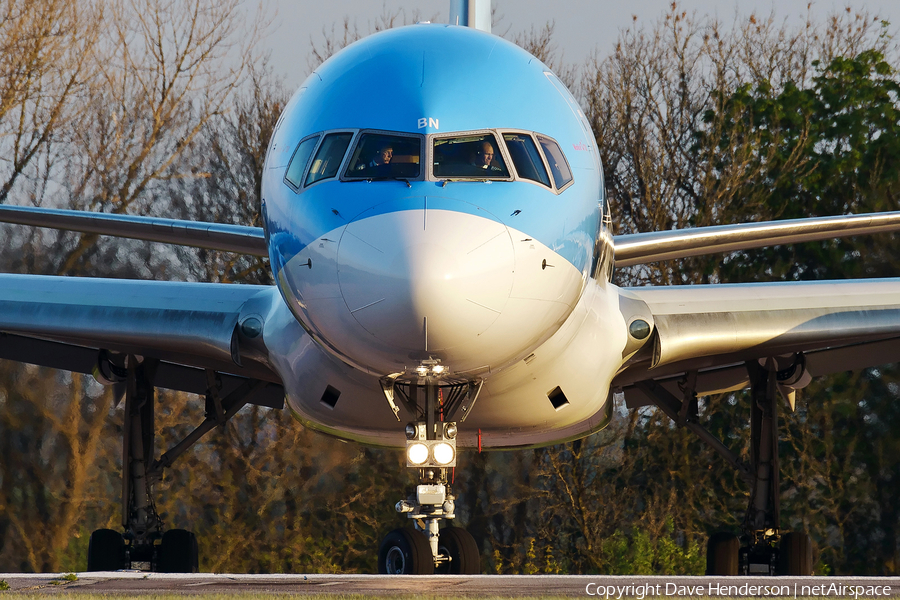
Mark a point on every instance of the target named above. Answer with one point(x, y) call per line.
point(431, 367)
point(417, 454)
point(443, 453)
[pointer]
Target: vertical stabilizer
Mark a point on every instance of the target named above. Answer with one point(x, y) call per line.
point(471, 13)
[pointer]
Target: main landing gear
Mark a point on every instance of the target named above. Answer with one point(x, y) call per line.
point(145, 545)
point(427, 548)
point(762, 549)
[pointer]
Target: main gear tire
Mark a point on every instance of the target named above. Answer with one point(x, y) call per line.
point(106, 551)
point(722, 554)
point(795, 556)
point(179, 552)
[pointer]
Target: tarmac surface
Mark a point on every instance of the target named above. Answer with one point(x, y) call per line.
point(139, 583)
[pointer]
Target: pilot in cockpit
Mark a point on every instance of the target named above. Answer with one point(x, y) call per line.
point(484, 158)
point(382, 157)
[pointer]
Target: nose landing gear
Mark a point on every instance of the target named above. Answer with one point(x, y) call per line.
point(426, 548)
point(431, 450)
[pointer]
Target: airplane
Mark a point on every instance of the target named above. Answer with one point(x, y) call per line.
point(434, 215)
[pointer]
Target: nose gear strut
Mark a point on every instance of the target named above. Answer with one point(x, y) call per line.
point(431, 450)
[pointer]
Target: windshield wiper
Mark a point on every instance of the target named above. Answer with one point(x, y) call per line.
point(371, 179)
point(392, 178)
point(444, 182)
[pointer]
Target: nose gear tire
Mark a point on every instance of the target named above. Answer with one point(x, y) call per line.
point(405, 552)
point(460, 546)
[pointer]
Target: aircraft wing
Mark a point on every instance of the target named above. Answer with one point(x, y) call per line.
point(640, 248)
point(212, 236)
point(194, 329)
point(630, 249)
point(709, 331)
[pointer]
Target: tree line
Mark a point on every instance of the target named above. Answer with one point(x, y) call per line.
point(165, 108)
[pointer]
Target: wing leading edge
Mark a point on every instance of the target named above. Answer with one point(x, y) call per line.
point(212, 236)
point(630, 249)
point(641, 248)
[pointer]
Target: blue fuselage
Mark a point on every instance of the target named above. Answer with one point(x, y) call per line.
point(389, 265)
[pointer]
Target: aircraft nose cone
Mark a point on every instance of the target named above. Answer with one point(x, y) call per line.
point(425, 280)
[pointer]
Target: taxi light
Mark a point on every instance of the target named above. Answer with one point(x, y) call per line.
point(417, 454)
point(443, 453)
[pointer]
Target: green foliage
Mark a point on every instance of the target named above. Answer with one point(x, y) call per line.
point(3, 585)
point(827, 149)
point(530, 555)
point(498, 561)
point(638, 555)
point(551, 565)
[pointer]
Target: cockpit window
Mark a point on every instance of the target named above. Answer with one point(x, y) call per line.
point(469, 157)
point(328, 158)
point(294, 174)
point(559, 167)
point(526, 158)
point(383, 156)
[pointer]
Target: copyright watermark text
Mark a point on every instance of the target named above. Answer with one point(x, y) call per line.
point(656, 590)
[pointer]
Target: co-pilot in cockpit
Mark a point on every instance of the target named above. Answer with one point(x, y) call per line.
point(471, 156)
